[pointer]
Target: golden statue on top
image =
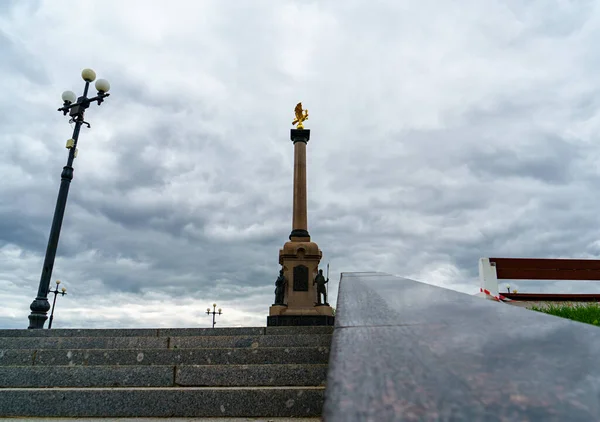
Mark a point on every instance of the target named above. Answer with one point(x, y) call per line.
point(300, 117)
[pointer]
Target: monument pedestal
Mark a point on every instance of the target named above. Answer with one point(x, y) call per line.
point(300, 261)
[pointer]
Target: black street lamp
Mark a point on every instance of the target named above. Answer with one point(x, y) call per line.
point(214, 312)
point(63, 292)
point(76, 108)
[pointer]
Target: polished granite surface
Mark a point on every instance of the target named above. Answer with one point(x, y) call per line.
point(408, 351)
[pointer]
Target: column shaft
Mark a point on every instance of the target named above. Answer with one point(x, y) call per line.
point(299, 219)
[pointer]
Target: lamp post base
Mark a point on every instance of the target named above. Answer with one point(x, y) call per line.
point(39, 313)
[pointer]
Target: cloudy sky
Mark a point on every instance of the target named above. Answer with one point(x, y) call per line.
point(441, 132)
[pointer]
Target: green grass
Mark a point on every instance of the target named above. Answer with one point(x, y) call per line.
point(588, 313)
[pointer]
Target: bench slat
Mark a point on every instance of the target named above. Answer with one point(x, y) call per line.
point(546, 263)
point(553, 297)
point(543, 274)
point(546, 269)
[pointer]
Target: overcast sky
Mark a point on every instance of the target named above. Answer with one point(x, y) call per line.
point(441, 132)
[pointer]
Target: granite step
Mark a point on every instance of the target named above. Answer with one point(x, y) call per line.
point(207, 419)
point(86, 376)
point(163, 376)
point(250, 375)
point(267, 340)
point(227, 372)
point(164, 332)
point(7, 343)
point(184, 342)
point(162, 402)
point(221, 356)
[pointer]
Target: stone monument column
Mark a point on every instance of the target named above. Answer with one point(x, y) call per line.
point(299, 258)
point(300, 138)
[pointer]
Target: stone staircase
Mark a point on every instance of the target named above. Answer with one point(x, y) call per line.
point(221, 372)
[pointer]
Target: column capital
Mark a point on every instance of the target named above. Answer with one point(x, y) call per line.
point(300, 135)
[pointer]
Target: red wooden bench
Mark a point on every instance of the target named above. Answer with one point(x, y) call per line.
point(493, 269)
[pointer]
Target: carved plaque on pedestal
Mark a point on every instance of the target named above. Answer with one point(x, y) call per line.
point(301, 278)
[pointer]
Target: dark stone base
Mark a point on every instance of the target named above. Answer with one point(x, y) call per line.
point(299, 320)
point(299, 233)
point(39, 313)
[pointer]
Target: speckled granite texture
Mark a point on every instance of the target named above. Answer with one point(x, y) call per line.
point(164, 332)
point(163, 376)
point(298, 340)
point(215, 356)
point(171, 419)
point(83, 342)
point(248, 375)
point(224, 372)
point(408, 351)
point(161, 402)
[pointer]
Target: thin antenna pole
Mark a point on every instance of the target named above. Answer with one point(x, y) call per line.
point(326, 288)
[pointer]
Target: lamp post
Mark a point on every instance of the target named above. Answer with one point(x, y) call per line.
point(63, 292)
point(76, 108)
point(214, 312)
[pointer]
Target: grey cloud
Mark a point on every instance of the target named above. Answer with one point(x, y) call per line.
point(435, 140)
point(557, 20)
point(16, 59)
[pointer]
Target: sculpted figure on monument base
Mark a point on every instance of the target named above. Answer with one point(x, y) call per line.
point(320, 281)
point(280, 288)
